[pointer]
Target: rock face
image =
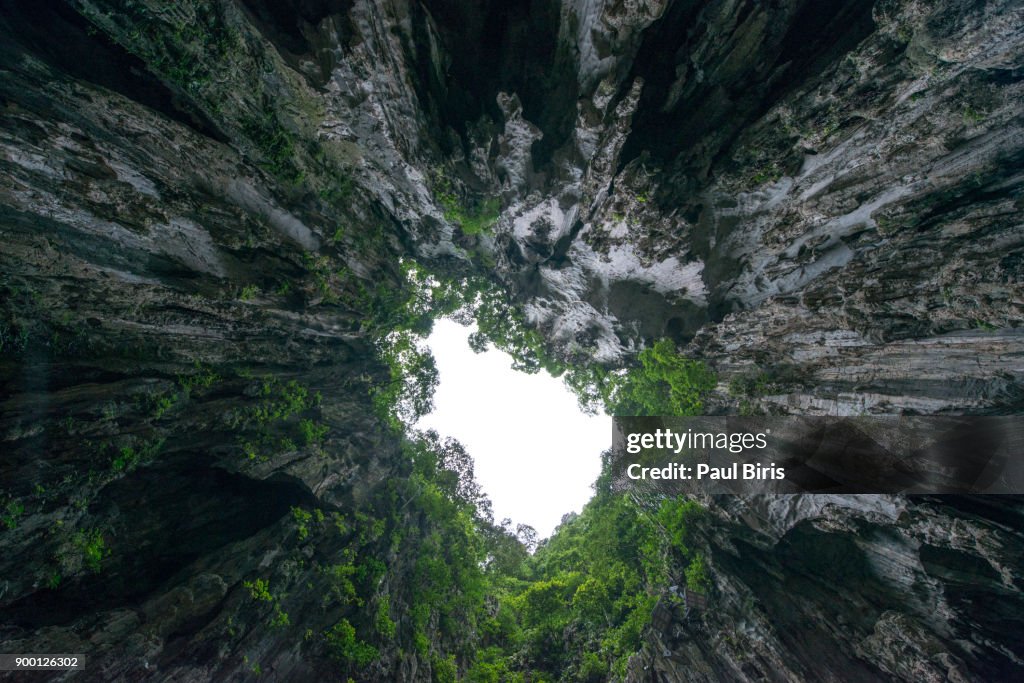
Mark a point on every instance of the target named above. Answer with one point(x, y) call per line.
point(822, 199)
point(851, 588)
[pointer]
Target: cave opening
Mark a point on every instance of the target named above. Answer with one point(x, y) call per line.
point(536, 453)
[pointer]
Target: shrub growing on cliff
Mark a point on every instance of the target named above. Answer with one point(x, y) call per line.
point(342, 644)
point(12, 511)
point(666, 383)
point(472, 218)
point(697, 578)
point(92, 547)
point(259, 590)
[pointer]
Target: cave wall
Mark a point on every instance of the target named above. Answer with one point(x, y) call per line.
point(175, 243)
point(823, 194)
point(850, 588)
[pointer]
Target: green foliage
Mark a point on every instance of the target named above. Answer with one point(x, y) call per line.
point(676, 516)
point(313, 433)
point(302, 519)
point(162, 404)
point(129, 457)
point(254, 667)
point(280, 618)
point(400, 316)
point(12, 512)
point(249, 292)
point(697, 579)
point(185, 50)
point(92, 548)
point(126, 460)
point(750, 385)
point(972, 116)
point(342, 644)
point(409, 394)
point(577, 608)
point(491, 665)
point(326, 278)
point(203, 378)
point(276, 145)
point(273, 418)
point(499, 322)
point(591, 580)
point(281, 401)
point(767, 174)
point(343, 589)
point(666, 383)
point(259, 590)
point(383, 623)
point(592, 668)
point(444, 669)
point(473, 218)
point(474, 601)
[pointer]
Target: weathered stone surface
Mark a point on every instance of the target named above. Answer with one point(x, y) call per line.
point(825, 196)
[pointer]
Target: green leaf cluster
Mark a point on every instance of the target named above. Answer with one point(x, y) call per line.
point(92, 547)
point(666, 383)
point(273, 420)
point(344, 645)
point(473, 217)
point(12, 511)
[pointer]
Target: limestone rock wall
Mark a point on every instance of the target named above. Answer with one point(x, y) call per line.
point(822, 199)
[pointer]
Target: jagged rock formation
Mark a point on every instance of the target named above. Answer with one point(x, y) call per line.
point(852, 588)
point(821, 199)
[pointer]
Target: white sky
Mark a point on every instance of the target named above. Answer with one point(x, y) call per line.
point(535, 453)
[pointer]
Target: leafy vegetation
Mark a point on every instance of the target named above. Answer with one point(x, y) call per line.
point(92, 548)
point(482, 608)
point(666, 383)
point(663, 383)
point(464, 594)
point(203, 378)
point(474, 603)
point(313, 432)
point(12, 512)
point(276, 146)
point(473, 218)
point(259, 590)
point(343, 644)
point(185, 50)
point(303, 519)
point(409, 393)
point(272, 425)
point(130, 457)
